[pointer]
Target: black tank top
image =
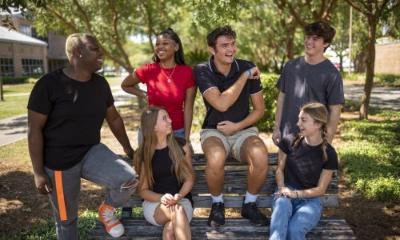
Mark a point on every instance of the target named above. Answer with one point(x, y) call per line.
point(165, 180)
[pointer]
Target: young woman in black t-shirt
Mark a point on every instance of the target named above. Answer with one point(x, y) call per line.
point(305, 168)
point(166, 175)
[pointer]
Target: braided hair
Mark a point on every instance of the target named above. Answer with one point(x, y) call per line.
point(319, 113)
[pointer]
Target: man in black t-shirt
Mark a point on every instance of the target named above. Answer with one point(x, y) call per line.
point(66, 110)
point(227, 85)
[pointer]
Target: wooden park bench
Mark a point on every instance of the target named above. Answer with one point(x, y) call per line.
point(234, 228)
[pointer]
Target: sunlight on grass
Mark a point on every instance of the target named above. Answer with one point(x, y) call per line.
point(13, 106)
point(16, 152)
point(371, 155)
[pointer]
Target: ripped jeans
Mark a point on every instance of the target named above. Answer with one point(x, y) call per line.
point(100, 165)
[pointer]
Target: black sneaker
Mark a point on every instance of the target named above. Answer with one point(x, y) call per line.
point(251, 212)
point(217, 215)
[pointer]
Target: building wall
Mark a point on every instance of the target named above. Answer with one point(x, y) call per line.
point(19, 51)
point(387, 58)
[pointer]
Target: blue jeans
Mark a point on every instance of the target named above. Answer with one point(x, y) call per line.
point(293, 218)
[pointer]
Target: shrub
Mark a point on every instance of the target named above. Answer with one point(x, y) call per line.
point(15, 80)
point(270, 94)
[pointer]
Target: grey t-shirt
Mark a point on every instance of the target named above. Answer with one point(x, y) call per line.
point(303, 83)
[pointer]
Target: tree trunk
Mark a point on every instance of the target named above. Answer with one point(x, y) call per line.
point(1, 90)
point(341, 61)
point(290, 43)
point(370, 62)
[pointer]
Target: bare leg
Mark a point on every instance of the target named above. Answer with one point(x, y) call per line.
point(181, 223)
point(255, 153)
point(215, 154)
point(168, 231)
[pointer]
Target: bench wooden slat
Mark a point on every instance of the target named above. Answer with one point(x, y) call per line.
point(328, 200)
point(199, 160)
point(234, 228)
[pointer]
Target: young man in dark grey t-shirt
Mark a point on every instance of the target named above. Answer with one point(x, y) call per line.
point(310, 78)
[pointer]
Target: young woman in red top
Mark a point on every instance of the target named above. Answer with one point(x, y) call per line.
point(169, 82)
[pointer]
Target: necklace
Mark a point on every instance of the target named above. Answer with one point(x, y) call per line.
point(169, 77)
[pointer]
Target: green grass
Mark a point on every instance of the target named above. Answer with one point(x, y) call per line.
point(18, 88)
point(389, 80)
point(12, 106)
point(370, 153)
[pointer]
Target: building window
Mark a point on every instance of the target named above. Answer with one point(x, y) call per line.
point(6, 67)
point(32, 67)
point(26, 29)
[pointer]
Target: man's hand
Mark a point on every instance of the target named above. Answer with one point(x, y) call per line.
point(228, 128)
point(276, 136)
point(42, 183)
point(253, 73)
point(129, 152)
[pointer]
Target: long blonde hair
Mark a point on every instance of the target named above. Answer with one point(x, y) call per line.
point(319, 114)
point(145, 153)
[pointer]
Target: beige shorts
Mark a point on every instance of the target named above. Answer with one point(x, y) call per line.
point(233, 143)
point(149, 209)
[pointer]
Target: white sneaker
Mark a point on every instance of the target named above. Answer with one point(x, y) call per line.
point(113, 226)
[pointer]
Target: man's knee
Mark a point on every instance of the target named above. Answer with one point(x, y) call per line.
point(254, 150)
point(215, 152)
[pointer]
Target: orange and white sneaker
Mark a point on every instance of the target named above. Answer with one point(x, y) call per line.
point(113, 226)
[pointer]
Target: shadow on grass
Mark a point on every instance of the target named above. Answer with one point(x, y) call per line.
point(26, 214)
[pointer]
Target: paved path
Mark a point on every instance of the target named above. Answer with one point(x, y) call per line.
point(15, 128)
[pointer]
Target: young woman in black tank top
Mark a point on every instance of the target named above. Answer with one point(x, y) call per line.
point(166, 175)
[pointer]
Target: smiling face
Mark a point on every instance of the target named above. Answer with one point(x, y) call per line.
point(165, 47)
point(163, 124)
point(92, 55)
point(224, 50)
point(307, 125)
point(314, 45)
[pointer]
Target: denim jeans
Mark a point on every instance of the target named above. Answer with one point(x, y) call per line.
point(293, 218)
point(100, 165)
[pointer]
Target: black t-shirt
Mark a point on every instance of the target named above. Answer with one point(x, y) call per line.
point(75, 111)
point(165, 180)
point(207, 76)
point(305, 163)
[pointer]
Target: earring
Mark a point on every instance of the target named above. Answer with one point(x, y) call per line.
point(80, 55)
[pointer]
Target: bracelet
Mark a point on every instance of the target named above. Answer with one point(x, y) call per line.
point(249, 72)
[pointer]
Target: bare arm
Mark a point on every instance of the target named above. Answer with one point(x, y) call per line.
point(222, 101)
point(117, 127)
point(324, 180)
point(278, 117)
point(129, 85)
point(144, 190)
point(188, 184)
point(334, 117)
point(36, 123)
point(188, 110)
point(279, 173)
point(229, 128)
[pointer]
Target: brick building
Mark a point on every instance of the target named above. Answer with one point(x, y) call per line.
point(387, 58)
point(22, 53)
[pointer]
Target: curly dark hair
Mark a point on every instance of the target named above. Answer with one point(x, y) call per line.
point(220, 31)
point(179, 56)
point(322, 29)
